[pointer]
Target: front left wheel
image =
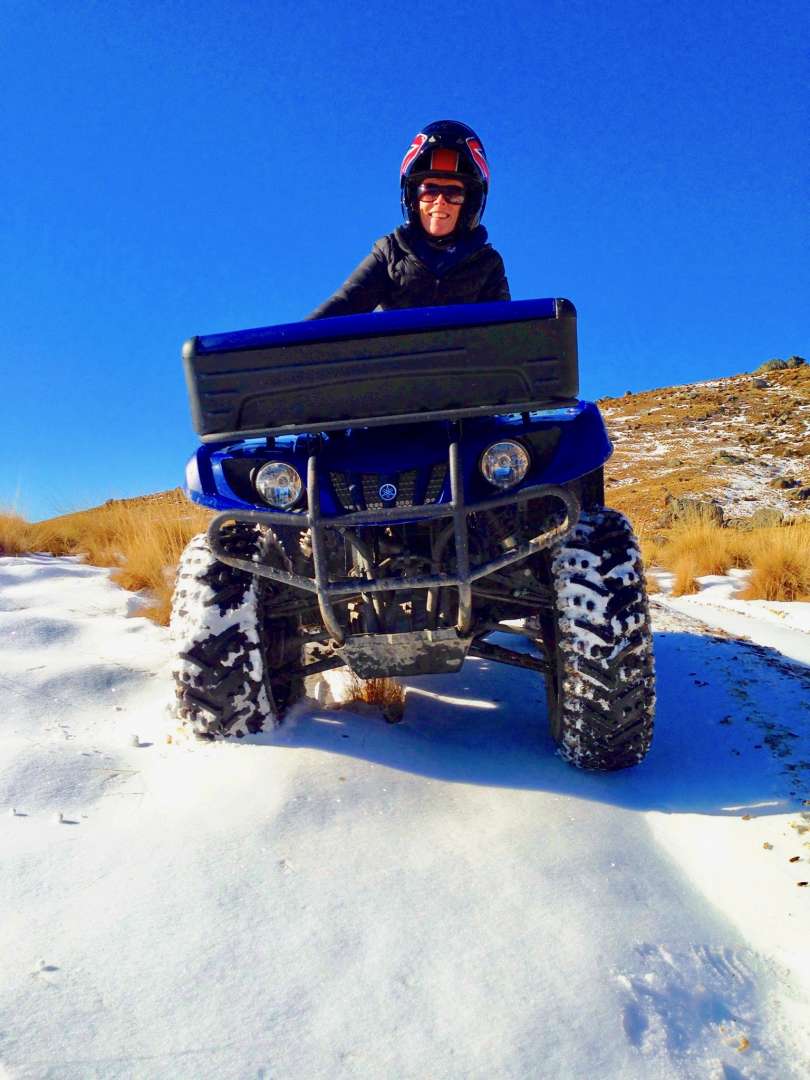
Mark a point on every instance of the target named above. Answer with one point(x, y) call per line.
point(598, 640)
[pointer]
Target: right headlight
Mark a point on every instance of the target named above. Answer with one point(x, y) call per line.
point(278, 484)
point(505, 463)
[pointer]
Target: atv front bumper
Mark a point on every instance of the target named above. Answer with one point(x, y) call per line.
point(328, 591)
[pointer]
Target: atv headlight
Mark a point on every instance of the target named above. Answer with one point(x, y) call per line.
point(278, 484)
point(505, 463)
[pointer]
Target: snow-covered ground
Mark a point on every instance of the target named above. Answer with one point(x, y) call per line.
point(442, 898)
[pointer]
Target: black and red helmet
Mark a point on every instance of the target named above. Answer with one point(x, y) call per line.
point(446, 148)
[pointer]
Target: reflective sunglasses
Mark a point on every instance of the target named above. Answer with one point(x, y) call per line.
point(430, 192)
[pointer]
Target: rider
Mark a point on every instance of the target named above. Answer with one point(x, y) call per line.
point(440, 255)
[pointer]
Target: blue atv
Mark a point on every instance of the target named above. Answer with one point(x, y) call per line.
point(391, 490)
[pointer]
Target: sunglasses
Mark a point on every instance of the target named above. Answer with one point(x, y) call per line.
point(430, 193)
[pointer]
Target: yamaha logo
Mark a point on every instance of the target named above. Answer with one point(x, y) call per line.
point(388, 492)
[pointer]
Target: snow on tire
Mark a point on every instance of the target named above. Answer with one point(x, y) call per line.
point(601, 686)
point(219, 671)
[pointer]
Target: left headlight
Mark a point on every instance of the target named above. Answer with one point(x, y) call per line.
point(278, 484)
point(505, 463)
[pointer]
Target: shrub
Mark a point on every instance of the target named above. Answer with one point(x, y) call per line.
point(385, 694)
point(781, 365)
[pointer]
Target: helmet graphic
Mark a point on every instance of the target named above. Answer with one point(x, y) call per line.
point(446, 148)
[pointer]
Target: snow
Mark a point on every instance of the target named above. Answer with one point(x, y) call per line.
point(783, 627)
point(443, 897)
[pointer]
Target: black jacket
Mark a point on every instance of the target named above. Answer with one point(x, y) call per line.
point(405, 270)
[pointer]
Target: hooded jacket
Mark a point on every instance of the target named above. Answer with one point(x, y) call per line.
point(406, 270)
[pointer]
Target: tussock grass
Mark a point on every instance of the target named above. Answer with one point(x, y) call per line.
point(696, 545)
point(652, 585)
point(649, 543)
point(686, 574)
point(141, 538)
point(385, 694)
point(781, 564)
point(778, 557)
point(15, 534)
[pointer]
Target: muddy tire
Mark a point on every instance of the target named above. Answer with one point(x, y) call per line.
point(601, 684)
point(231, 652)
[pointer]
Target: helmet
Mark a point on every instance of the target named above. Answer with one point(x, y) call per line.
point(446, 148)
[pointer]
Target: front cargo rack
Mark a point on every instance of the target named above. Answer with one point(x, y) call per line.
point(387, 367)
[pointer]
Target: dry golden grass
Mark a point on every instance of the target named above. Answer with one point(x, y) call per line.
point(778, 557)
point(688, 420)
point(141, 538)
point(714, 547)
point(649, 543)
point(780, 564)
point(385, 694)
point(686, 573)
point(647, 532)
point(15, 534)
point(696, 546)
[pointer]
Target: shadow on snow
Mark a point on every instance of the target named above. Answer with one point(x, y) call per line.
point(731, 732)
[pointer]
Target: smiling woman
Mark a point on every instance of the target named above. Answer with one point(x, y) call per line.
point(441, 254)
point(440, 203)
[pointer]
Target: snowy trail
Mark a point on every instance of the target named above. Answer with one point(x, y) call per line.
point(442, 898)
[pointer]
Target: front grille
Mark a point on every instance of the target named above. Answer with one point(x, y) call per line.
point(340, 486)
point(415, 487)
point(438, 475)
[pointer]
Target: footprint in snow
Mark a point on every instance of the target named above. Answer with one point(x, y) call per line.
point(702, 999)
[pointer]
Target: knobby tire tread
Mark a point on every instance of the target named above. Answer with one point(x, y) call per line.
point(225, 681)
point(601, 690)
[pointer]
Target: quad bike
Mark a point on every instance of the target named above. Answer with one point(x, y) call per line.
point(391, 490)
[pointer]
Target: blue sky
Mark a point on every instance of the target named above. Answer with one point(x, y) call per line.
point(181, 168)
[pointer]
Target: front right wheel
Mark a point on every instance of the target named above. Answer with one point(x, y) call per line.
point(237, 637)
point(598, 641)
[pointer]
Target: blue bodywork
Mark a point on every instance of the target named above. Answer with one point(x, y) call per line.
point(376, 323)
point(564, 442)
point(578, 444)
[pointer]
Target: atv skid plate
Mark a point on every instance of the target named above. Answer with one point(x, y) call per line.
point(418, 652)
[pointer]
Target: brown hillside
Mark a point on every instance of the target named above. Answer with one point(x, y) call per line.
point(743, 442)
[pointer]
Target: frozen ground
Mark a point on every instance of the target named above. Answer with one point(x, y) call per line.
point(443, 898)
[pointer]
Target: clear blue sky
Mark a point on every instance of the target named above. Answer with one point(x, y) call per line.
point(176, 168)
